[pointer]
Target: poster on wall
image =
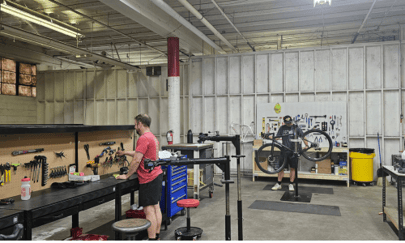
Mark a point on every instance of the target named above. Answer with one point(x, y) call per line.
point(326, 116)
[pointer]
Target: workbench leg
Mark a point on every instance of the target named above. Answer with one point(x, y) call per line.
point(75, 220)
point(27, 225)
point(132, 198)
point(383, 197)
point(400, 212)
point(117, 209)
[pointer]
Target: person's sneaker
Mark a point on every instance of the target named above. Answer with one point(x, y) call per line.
point(276, 187)
point(291, 188)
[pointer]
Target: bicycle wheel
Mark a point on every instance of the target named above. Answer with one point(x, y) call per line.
point(319, 143)
point(272, 160)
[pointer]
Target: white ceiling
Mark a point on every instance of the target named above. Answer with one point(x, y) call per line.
point(262, 22)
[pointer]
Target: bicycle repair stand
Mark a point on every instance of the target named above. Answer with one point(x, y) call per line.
point(295, 197)
point(236, 142)
point(223, 163)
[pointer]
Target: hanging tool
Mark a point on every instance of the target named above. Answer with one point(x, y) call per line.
point(60, 155)
point(2, 175)
point(7, 169)
point(306, 117)
point(107, 143)
point(15, 167)
point(27, 151)
point(332, 123)
point(122, 147)
point(86, 147)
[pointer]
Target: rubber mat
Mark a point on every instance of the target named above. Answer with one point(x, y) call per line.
point(296, 207)
point(320, 190)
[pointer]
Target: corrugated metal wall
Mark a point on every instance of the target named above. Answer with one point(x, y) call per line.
point(18, 110)
point(226, 89)
point(107, 97)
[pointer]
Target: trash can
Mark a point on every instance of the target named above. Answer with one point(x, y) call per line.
point(362, 166)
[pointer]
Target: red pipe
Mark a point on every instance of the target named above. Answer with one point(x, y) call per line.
point(173, 61)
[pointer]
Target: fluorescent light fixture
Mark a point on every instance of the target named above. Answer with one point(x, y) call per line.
point(34, 19)
point(322, 2)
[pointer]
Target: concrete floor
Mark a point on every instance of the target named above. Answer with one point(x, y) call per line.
point(359, 207)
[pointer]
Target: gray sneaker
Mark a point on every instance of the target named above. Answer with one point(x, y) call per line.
point(276, 187)
point(291, 188)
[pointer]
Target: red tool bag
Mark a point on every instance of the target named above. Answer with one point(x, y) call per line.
point(139, 214)
point(77, 235)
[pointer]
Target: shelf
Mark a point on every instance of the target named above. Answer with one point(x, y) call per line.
point(58, 128)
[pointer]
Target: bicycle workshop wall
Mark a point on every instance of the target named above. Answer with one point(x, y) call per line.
point(219, 90)
point(52, 143)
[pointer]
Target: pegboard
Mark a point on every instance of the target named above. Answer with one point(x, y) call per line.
point(93, 139)
point(52, 143)
point(308, 115)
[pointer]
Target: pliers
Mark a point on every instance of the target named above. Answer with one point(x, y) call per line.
point(7, 169)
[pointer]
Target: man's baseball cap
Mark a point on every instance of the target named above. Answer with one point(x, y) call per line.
point(287, 120)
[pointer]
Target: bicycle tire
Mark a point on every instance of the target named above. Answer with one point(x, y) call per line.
point(273, 163)
point(311, 133)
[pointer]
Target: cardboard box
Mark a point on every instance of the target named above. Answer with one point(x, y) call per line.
point(190, 176)
point(257, 142)
point(263, 163)
point(324, 166)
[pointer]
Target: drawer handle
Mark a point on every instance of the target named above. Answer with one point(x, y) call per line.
point(178, 182)
point(177, 169)
point(178, 189)
point(178, 177)
point(178, 198)
point(102, 200)
point(58, 216)
point(178, 172)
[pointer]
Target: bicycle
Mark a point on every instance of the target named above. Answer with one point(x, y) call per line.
point(245, 130)
point(313, 137)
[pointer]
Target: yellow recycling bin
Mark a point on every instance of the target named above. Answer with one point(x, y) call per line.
point(362, 167)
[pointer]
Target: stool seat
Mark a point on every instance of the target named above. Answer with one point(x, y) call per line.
point(131, 225)
point(188, 203)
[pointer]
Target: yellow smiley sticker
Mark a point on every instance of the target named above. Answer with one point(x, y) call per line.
point(277, 108)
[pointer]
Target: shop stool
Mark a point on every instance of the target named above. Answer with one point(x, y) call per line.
point(131, 227)
point(188, 233)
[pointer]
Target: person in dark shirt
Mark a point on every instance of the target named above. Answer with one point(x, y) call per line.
point(288, 129)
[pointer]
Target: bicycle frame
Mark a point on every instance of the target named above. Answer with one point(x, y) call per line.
point(297, 154)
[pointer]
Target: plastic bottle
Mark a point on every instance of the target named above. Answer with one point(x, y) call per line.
point(403, 155)
point(189, 136)
point(25, 188)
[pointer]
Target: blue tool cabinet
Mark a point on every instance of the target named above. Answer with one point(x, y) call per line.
point(176, 182)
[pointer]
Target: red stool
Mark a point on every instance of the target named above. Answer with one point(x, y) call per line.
point(188, 233)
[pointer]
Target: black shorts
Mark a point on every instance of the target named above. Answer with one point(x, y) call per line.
point(150, 193)
point(291, 161)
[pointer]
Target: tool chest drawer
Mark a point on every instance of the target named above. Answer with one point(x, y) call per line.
point(173, 189)
point(11, 220)
point(55, 216)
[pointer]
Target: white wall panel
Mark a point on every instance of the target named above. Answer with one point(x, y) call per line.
point(306, 70)
point(41, 86)
point(101, 113)
point(339, 69)
point(262, 73)
point(89, 113)
point(197, 117)
point(153, 86)
point(234, 108)
point(59, 109)
point(68, 113)
point(373, 67)
point(196, 77)
point(100, 84)
point(222, 75)
point(49, 86)
point(122, 84)
point(143, 106)
point(356, 68)
point(78, 112)
point(40, 113)
point(277, 98)
point(184, 80)
point(142, 84)
point(291, 98)
point(248, 71)
point(391, 118)
point(390, 147)
point(276, 72)
point(307, 98)
point(132, 111)
point(209, 114)
point(80, 85)
point(373, 113)
point(356, 143)
point(90, 80)
point(322, 72)
point(222, 114)
point(111, 114)
point(322, 97)
point(339, 97)
point(164, 112)
point(291, 71)
point(111, 84)
point(154, 114)
point(262, 99)
point(248, 110)
point(208, 75)
point(59, 86)
point(69, 86)
point(132, 85)
point(356, 109)
point(391, 66)
point(234, 75)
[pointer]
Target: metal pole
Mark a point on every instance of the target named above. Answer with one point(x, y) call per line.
point(227, 215)
point(240, 218)
point(296, 169)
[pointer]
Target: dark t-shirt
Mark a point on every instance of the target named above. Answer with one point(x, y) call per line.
point(284, 130)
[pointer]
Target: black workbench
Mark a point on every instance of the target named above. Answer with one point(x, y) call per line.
point(53, 204)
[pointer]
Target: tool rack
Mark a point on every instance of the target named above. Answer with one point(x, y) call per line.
point(53, 139)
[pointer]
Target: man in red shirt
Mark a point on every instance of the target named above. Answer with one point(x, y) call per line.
point(150, 183)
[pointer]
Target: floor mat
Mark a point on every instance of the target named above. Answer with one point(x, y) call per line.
point(321, 190)
point(296, 207)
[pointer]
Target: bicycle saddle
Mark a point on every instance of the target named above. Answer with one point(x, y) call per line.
point(16, 235)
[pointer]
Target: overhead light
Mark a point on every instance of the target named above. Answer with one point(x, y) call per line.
point(322, 2)
point(40, 21)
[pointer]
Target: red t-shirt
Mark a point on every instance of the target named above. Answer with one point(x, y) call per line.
point(148, 145)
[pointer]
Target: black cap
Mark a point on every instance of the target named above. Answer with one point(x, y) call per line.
point(287, 120)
